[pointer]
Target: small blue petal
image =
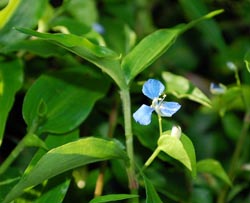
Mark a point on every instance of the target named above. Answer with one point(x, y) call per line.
point(153, 88)
point(167, 109)
point(143, 115)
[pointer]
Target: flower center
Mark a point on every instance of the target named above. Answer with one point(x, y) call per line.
point(156, 103)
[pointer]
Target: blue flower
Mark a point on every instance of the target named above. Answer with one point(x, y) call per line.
point(153, 89)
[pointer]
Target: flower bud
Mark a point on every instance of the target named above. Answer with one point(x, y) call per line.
point(176, 131)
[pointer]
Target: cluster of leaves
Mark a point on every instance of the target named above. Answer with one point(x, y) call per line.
point(71, 110)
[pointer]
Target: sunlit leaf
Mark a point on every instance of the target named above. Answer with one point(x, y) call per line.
point(189, 148)
point(213, 167)
point(67, 157)
point(174, 148)
point(11, 79)
point(183, 88)
point(112, 198)
point(69, 97)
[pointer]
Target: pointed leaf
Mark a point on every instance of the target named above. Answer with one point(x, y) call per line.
point(67, 157)
point(174, 148)
point(189, 148)
point(112, 198)
point(153, 46)
point(213, 167)
point(152, 196)
point(69, 97)
point(183, 88)
point(147, 51)
point(101, 56)
point(11, 79)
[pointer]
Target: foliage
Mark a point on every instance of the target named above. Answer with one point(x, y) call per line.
point(72, 74)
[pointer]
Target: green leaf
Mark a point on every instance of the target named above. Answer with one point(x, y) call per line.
point(69, 97)
point(153, 46)
point(213, 167)
point(54, 191)
point(152, 196)
point(183, 88)
point(112, 198)
point(247, 61)
point(7, 12)
point(174, 148)
point(37, 47)
point(19, 15)
point(11, 79)
point(189, 148)
point(67, 157)
point(101, 56)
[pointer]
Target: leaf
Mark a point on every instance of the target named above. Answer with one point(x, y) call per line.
point(11, 79)
point(69, 97)
point(6, 13)
point(147, 51)
point(247, 60)
point(37, 47)
point(183, 88)
point(174, 148)
point(213, 167)
point(153, 46)
point(112, 198)
point(20, 15)
point(67, 157)
point(54, 191)
point(101, 56)
point(152, 196)
point(189, 148)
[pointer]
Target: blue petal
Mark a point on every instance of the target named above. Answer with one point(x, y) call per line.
point(143, 115)
point(153, 88)
point(167, 109)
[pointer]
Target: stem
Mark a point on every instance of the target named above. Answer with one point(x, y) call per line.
point(151, 158)
point(19, 148)
point(236, 155)
point(133, 184)
point(160, 124)
point(13, 155)
point(157, 150)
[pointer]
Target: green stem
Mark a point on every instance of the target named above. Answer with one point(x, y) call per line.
point(133, 184)
point(151, 158)
point(160, 124)
point(13, 155)
point(19, 148)
point(236, 155)
point(157, 150)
